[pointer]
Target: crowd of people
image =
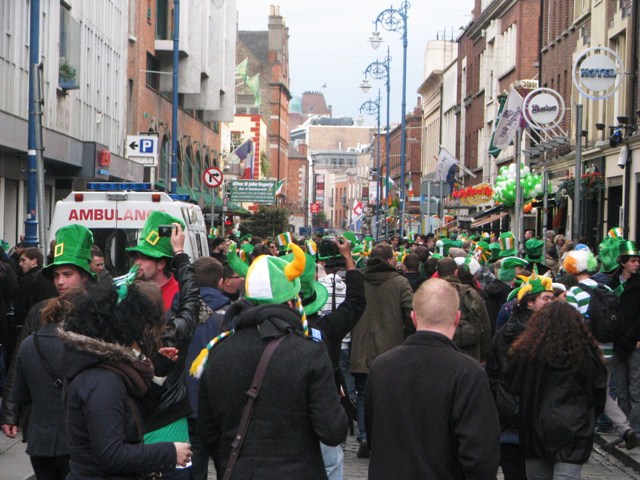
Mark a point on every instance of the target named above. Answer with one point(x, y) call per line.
point(448, 355)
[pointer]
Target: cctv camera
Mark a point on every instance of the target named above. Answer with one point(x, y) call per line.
point(624, 154)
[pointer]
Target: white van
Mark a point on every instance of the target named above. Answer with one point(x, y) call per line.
point(116, 212)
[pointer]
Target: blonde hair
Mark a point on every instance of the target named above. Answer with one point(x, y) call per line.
point(436, 303)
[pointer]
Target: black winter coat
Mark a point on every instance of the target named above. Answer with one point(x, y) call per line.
point(629, 307)
point(429, 414)
point(495, 295)
point(33, 287)
point(104, 441)
point(174, 401)
point(558, 407)
point(298, 406)
point(497, 365)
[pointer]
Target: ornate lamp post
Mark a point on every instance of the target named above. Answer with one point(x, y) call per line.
point(381, 70)
point(372, 107)
point(396, 20)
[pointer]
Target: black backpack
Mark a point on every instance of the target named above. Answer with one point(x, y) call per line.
point(603, 313)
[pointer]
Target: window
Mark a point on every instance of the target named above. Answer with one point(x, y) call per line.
point(153, 66)
point(69, 63)
point(162, 20)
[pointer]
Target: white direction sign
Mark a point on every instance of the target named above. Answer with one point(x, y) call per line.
point(142, 146)
point(212, 177)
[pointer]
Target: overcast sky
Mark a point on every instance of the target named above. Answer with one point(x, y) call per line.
point(329, 45)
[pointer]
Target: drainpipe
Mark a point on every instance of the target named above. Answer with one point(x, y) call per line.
point(31, 222)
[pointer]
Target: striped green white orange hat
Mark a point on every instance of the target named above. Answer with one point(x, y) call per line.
point(616, 232)
point(283, 240)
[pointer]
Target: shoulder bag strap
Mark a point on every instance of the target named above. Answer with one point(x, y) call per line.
point(57, 382)
point(252, 393)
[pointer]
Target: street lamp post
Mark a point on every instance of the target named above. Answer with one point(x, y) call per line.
point(396, 20)
point(381, 70)
point(372, 107)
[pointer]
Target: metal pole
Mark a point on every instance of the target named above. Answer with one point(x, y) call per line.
point(40, 158)
point(428, 229)
point(378, 172)
point(174, 104)
point(545, 206)
point(403, 134)
point(517, 217)
point(577, 175)
point(388, 145)
point(31, 222)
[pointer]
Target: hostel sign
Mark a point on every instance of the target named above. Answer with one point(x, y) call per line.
point(598, 72)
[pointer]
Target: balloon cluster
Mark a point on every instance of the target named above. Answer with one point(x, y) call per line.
point(504, 190)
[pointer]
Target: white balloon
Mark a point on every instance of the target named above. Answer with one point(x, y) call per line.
point(525, 171)
point(538, 188)
point(512, 167)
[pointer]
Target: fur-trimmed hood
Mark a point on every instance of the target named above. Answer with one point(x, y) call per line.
point(82, 352)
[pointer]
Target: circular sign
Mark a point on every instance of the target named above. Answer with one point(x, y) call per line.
point(598, 73)
point(543, 108)
point(212, 177)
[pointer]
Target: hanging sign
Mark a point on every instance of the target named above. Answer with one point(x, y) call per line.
point(543, 108)
point(598, 73)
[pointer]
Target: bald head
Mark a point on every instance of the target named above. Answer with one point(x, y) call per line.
point(435, 306)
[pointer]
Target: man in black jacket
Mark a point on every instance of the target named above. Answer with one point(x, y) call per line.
point(429, 410)
point(298, 406)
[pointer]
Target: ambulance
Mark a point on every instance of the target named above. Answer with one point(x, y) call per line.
point(115, 212)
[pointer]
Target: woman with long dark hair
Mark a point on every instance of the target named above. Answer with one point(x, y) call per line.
point(557, 371)
point(108, 345)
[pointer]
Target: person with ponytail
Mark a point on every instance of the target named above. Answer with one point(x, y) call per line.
point(557, 371)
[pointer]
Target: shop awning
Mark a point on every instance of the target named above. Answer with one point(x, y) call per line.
point(490, 219)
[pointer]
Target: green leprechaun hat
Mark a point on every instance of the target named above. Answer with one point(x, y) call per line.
point(495, 251)
point(628, 248)
point(507, 270)
point(534, 250)
point(73, 247)
point(150, 243)
point(608, 252)
point(531, 285)
point(272, 280)
point(314, 294)
point(507, 245)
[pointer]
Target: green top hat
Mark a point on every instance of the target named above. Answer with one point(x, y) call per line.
point(628, 247)
point(608, 251)
point(507, 245)
point(314, 294)
point(495, 251)
point(507, 270)
point(283, 240)
point(150, 243)
point(73, 247)
point(534, 250)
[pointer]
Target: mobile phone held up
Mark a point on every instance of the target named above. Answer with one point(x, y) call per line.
point(165, 230)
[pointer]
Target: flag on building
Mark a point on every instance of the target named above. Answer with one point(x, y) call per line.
point(279, 186)
point(253, 84)
point(509, 121)
point(357, 208)
point(446, 166)
point(493, 150)
point(241, 70)
point(244, 153)
point(357, 215)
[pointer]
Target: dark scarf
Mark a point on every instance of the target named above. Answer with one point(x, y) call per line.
point(136, 376)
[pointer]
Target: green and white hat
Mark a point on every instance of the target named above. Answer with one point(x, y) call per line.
point(150, 242)
point(507, 245)
point(314, 294)
point(269, 279)
point(73, 247)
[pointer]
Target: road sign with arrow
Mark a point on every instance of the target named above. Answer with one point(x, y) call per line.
point(141, 147)
point(212, 177)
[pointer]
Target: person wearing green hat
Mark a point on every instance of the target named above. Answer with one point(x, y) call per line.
point(69, 269)
point(625, 282)
point(534, 254)
point(298, 395)
point(497, 291)
point(154, 252)
point(507, 245)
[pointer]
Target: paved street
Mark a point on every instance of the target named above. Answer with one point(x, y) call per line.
point(14, 464)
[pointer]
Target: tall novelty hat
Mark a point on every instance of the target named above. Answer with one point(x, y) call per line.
point(507, 270)
point(269, 279)
point(534, 250)
point(629, 249)
point(150, 243)
point(314, 294)
point(615, 232)
point(482, 252)
point(73, 247)
point(608, 252)
point(283, 240)
point(495, 251)
point(579, 261)
point(531, 285)
point(507, 245)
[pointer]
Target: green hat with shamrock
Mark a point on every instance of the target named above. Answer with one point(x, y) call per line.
point(269, 279)
point(314, 294)
point(150, 243)
point(534, 250)
point(507, 245)
point(73, 247)
point(507, 270)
